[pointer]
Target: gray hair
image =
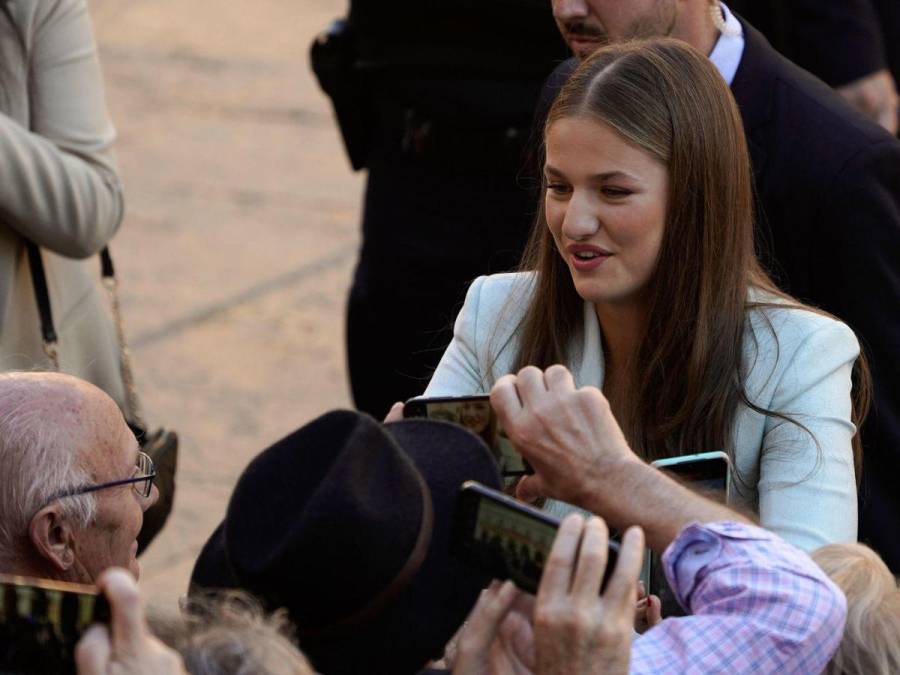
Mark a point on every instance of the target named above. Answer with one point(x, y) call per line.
point(39, 429)
point(229, 632)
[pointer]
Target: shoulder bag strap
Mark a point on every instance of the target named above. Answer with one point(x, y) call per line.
point(132, 403)
point(42, 296)
point(48, 331)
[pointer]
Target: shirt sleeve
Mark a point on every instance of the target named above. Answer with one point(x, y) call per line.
point(757, 604)
point(59, 184)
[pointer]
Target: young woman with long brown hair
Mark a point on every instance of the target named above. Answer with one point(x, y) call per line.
point(641, 277)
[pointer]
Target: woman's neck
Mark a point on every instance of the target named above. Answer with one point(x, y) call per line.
point(622, 326)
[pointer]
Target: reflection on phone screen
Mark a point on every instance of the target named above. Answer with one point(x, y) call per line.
point(477, 415)
point(520, 542)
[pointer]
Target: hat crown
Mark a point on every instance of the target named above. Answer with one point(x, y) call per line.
point(353, 516)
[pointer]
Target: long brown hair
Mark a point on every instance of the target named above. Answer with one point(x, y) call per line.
point(667, 99)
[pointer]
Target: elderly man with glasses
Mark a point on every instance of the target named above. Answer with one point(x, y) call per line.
point(74, 484)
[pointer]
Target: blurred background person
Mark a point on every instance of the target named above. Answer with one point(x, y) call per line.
point(435, 100)
point(59, 190)
point(852, 45)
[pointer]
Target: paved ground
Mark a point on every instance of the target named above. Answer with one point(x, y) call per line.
point(239, 239)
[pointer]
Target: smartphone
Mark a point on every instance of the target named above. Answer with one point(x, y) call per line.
point(41, 621)
point(476, 414)
point(506, 538)
point(708, 473)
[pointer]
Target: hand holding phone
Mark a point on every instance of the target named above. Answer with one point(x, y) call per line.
point(569, 627)
point(506, 538)
point(126, 647)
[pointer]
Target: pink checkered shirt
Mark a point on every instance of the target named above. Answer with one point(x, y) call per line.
point(758, 605)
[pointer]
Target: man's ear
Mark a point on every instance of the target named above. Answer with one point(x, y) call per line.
point(52, 537)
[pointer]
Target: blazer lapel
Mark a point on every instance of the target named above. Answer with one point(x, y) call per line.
point(753, 87)
point(586, 351)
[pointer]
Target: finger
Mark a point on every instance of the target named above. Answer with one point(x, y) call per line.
point(129, 628)
point(559, 379)
point(591, 560)
point(484, 621)
point(641, 590)
point(557, 576)
point(92, 651)
point(531, 386)
point(505, 400)
point(621, 590)
point(530, 489)
point(654, 610)
point(395, 414)
point(517, 634)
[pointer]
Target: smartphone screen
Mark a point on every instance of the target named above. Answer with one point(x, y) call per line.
point(41, 622)
point(474, 413)
point(508, 539)
point(705, 474)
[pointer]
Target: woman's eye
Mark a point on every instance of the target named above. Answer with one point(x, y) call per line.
point(557, 188)
point(615, 192)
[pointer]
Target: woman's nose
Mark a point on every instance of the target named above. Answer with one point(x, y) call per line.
point(581, 219)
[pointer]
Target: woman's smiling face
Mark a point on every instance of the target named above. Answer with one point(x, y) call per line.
point(605, 204)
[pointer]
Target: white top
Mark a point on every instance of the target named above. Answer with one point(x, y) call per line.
point(726, 55)
point(804, 494)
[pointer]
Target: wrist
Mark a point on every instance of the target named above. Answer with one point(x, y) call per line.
point(603, 487)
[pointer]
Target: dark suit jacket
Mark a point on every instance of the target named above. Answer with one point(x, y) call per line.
point(838, 42)
point(828, 212)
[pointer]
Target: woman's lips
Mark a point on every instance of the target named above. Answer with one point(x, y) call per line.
point(585, 258)
point(588, 264)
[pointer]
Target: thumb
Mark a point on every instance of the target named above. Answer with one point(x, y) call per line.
point(530, 489)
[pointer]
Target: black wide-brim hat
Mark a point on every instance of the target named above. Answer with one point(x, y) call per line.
point(347, 524)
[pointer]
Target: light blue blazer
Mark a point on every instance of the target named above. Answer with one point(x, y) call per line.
point(799, 363)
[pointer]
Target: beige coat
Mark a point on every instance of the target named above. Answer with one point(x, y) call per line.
point(58, 187)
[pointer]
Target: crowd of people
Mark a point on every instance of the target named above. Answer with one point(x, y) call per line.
point(713, 264)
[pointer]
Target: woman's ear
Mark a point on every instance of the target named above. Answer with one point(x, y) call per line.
point(53, 538)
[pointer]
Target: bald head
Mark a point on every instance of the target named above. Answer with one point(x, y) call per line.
point(56, 433)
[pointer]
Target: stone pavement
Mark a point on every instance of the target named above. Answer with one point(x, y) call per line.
point(238, 243)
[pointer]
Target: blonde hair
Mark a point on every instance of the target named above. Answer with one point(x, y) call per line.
point(871, 642)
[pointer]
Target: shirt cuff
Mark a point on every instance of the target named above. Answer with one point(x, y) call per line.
point(699, 545)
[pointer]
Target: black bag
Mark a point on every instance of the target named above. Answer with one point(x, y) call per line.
point(161, 444)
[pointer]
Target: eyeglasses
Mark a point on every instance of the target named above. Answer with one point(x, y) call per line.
point(141, 481)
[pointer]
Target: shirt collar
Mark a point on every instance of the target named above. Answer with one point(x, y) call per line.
point(726, 55)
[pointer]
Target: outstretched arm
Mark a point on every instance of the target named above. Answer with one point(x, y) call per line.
point(580, 456)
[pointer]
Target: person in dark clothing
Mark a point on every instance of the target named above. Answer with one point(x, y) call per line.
point(852, 45)
point(436, 101)
point(827, 206)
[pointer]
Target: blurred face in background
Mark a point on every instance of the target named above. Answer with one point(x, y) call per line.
point(476, 415)
point(587, 25)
